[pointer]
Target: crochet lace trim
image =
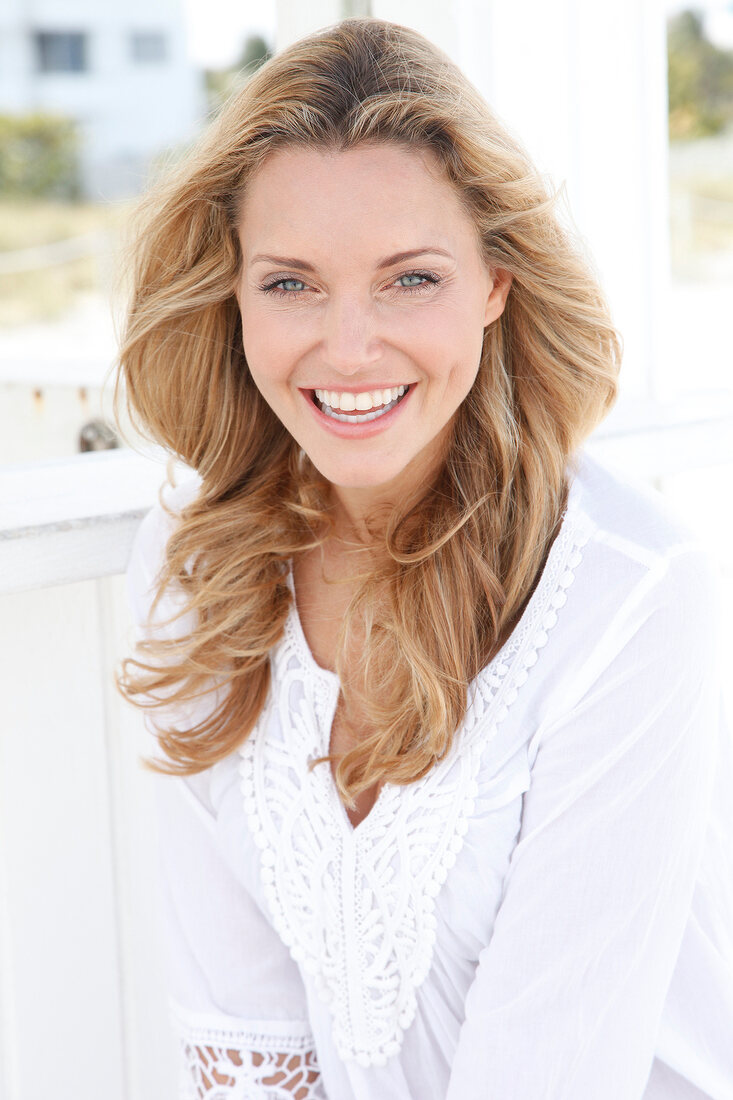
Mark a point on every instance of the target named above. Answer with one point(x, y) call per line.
point(356, 906)
point(219, 1063)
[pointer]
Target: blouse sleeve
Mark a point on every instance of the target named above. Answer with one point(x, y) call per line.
point(237, 1000)
point(567, 998)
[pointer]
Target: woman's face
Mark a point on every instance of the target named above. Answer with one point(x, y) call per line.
point(364, 298)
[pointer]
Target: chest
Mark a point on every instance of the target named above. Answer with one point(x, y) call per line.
point(362, 908)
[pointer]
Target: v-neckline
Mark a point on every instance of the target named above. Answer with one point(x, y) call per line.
point(330, 685)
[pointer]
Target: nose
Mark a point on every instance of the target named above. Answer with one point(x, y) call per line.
point(350, 339)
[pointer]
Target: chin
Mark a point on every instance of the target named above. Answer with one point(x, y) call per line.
point(360, 480)
point(353, 473)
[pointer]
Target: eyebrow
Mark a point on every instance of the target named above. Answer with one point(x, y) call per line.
point(387, 261)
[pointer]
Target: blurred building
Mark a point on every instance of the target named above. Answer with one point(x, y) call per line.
point(120, 70)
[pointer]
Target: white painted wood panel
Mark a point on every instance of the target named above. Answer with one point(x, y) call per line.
point(83, 998)
point(61, 898)
point(147, 1038)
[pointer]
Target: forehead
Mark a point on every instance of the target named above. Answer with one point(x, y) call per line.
point(391, 192)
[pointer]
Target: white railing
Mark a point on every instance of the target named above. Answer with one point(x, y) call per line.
point(74, 519)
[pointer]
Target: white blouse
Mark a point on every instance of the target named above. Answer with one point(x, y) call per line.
point(546, 915)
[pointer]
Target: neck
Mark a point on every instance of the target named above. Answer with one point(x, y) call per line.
point(361, 513)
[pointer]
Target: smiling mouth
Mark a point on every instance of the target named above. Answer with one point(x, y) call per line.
point(356, 416)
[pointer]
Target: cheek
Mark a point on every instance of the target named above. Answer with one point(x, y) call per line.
point(449, 348)
point(427, 336)
point(269, 348)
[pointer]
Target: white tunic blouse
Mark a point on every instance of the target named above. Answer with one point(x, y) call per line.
point(546, 915)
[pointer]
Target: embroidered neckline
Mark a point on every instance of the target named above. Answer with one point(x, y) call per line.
point(355, 906)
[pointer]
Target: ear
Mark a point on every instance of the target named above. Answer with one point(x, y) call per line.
point(501, 281)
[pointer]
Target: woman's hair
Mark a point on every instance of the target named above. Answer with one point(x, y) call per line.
point(457, 563)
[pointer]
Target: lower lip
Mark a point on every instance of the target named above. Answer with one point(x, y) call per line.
point(357, 431)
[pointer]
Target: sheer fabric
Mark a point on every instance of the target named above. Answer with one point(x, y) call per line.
point(547, 915)
point(218, 1063)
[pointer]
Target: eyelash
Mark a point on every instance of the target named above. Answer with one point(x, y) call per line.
point(430, 277)
point(274, 288)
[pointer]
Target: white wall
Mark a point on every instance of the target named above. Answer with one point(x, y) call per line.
point(128, 112)
point(584, 85)
point(42, 422)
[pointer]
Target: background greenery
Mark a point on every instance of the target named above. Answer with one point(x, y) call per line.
point(700, 80)
point(221, 83)
point(39, 156)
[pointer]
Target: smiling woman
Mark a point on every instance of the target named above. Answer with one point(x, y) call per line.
point(442, 797)
point(361, 319)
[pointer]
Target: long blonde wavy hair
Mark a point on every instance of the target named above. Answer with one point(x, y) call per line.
point(457, 565)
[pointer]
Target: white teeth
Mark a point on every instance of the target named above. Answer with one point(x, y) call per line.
point(359, 402)
point(330, 401)
point(345, 419)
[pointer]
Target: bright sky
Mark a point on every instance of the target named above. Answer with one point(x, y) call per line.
point(718, 17)
point(719, 24)
point(217, 28)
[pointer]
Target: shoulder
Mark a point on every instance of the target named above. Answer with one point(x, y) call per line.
point(625, 581)
point(148, 548)
point(642, 571)
point(159, 523)
point(627, 515)
point(632, 536)
point(627, 605)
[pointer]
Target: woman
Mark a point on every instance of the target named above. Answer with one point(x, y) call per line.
point(435, 692)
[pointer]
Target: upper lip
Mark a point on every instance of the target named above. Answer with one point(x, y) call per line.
point(366, 387)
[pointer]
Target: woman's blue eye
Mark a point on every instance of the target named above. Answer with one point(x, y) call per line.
point(411, 280)
point(292, 285)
